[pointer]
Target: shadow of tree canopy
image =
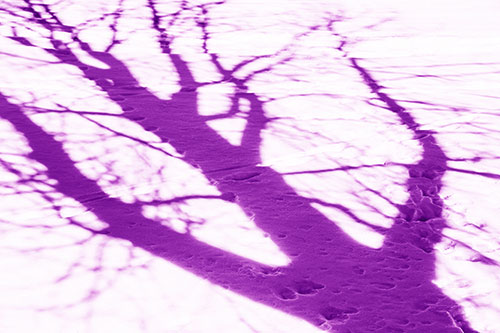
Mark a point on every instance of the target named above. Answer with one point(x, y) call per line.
point(332, 281)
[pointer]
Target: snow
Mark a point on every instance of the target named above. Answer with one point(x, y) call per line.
point(275, 157)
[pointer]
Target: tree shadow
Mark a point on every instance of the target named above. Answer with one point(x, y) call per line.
point(332, 282)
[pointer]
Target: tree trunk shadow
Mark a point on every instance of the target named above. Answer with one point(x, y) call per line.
point(332, 282)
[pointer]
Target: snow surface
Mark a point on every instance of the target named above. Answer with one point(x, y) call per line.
point(141, 186)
